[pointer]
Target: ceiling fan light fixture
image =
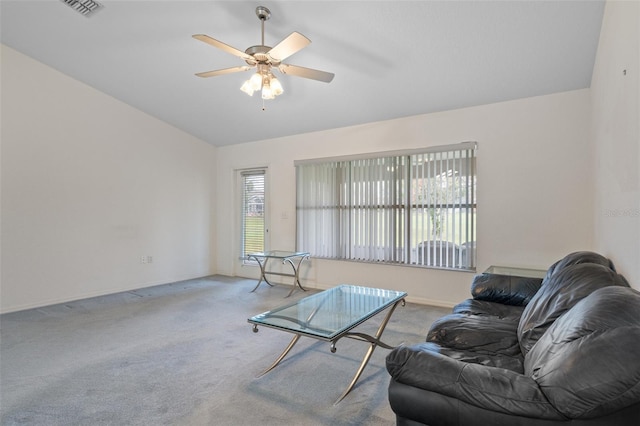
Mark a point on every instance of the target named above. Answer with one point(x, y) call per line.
point(256, 80)
point(254, 83)
point(267, 93)
point(265, 80)
point(276, 87)
point(247, 88)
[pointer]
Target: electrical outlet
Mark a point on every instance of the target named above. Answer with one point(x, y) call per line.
point(143, 259)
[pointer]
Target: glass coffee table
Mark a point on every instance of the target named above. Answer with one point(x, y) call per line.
point(331, 315)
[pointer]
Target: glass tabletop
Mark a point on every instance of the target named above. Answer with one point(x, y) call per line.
point(280, 254)
point(331, 313)
point(516, 272)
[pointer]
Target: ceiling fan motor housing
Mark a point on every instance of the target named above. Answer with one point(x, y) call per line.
point(260, 54)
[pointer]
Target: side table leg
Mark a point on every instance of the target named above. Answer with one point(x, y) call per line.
point(262, 272)
point(296, 275)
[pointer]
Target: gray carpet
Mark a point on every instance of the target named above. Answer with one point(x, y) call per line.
point(184, 354)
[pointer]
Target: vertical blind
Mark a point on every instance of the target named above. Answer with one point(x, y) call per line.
point(416, 207)
point(253, 211)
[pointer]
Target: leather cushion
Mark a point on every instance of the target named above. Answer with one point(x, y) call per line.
point(588, 363)
point(430, 367)
point(508, 290)
point(563, 289)
point(577, 258)
point(490, 309)
point(479, 339)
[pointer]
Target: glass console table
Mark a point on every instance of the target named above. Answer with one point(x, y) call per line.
point(512, 284)
point(293, 258)
point(331, 315)
point(516, 272)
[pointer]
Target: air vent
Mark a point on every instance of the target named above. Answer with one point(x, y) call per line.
point(84, 7)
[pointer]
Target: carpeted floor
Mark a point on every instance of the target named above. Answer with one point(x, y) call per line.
point(184, 354)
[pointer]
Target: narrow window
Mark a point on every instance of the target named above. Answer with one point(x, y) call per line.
point(253, 212)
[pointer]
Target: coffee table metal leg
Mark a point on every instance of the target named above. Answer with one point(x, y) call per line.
point(282, 355)
point(372, 347)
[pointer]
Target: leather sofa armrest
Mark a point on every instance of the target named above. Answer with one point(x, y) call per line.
point(505, 289)
point(497, 389)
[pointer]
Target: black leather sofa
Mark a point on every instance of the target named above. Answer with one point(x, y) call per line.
point(563, 350)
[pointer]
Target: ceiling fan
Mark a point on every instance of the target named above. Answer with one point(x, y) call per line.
point(266, 58)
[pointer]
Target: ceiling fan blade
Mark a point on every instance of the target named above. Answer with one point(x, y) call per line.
point(306, 72)
point(223, 46)
point(293, 43)
point(223, 71)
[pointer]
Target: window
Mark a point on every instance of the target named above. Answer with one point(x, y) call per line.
point(253, 211)
point(415, 207)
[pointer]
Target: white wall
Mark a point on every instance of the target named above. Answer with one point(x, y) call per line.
point(89, 185)
point(616, 121)
point(535, 197)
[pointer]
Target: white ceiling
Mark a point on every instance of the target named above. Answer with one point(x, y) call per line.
point(390, 58)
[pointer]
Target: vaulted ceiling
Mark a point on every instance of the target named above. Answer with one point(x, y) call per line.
point(390, 58)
